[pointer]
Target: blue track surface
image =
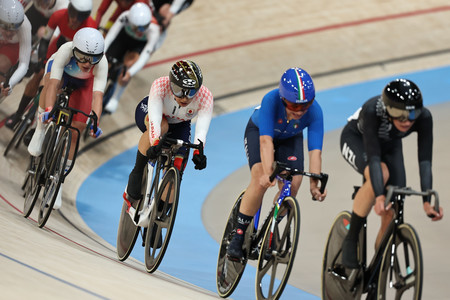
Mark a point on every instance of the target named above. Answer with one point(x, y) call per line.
point(192, 254)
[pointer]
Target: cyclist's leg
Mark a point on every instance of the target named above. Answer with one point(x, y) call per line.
point(252, 199)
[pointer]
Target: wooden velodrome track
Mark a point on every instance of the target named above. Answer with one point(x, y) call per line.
point(243, 47)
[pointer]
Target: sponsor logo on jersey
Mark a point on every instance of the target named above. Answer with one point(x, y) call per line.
point(292, 158)
point(280, 121)
point(190, 113)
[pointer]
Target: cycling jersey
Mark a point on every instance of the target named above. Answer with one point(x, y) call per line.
point(46, 12)
point(150, 35)
point(60, 19)
point(370, 137)
point(271, 119)
point(161, 103)
point(62, 66)
point(176, 6)
point(8, 47)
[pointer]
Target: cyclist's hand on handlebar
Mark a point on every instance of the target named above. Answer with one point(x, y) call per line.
point(432, 213)
point(96, 134)
point(199, 160)
point(265, 182)
point(317, 195)
point(5, 91)
point(379, 205)
point(46, 117)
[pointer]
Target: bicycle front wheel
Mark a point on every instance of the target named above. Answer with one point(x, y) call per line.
point(20, 130)
point(128, 232)
point(32, 186)
point(54, 178)
point(402, 267)
point(278, 251)
point(162, 219)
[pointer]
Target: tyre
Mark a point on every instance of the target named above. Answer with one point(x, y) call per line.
point(162, 219)
point(401, 274)
point(229, 272)
point(54, 178)
point(20, 130)
point(335, 283)
point(32, 186)
point(128, 232)
point(278, 250)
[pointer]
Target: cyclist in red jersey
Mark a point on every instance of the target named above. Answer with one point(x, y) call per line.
point(122, 5)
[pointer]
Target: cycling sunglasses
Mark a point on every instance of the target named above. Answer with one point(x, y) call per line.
point(296, 106)
point(82, 57)
point(135, 28)
point(182, 92)
point(403, 115)
point(10, 26)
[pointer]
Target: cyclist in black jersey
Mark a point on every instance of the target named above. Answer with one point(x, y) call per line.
point(371, 142)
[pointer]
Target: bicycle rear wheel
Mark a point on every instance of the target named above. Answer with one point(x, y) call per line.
point(55, 176)
point(278, 251)
point(229, 272)
point(128, 232)
point(335, 278)
point(401, 274)
point(162, 219)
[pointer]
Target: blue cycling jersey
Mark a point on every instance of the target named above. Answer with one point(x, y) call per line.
point(270, 117)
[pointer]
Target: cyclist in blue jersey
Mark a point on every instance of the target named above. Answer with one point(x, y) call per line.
point(275, 132)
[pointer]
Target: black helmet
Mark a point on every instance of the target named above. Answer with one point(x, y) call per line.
point(185, 78)
point(402, 96)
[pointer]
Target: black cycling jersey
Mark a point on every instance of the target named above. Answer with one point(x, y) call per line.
point(370, 137)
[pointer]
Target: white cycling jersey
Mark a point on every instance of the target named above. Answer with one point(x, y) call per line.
point(63, 61)
point(151, 35)
point(23, 37)
point(161, 102)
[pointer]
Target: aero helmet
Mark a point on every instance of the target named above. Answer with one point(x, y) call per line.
point(402, 98)
point(80, 9)
point(296, 86)
point(185, 78)
point(11, 14)
point(88, 45)
point(140, 16)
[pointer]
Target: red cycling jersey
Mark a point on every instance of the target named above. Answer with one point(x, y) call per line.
point(61, 19)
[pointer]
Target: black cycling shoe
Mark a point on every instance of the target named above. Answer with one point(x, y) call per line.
point(234, 250)
point(349, 254)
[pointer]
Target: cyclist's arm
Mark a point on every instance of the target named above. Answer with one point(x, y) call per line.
point(100, 78)
point(155, 111)
point(48, 33)
point(115, 29)
point(204, 115)
point(267, 159)
point(424, 150)
point(24, 53)
point(152, 36)
point(101, 11)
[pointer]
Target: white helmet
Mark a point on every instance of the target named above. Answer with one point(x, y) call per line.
point(88, 45)
point(82, 5)
point(80, 9)
point(11, 14)
point(140, 16)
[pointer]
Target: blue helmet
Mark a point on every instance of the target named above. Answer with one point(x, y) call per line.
point(296, 86)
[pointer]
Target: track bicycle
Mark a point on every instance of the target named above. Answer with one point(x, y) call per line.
point(22, 127)
point(49, 170)
point(115, 70)
point(396, 269)
point(155, 213)
point(274, 244)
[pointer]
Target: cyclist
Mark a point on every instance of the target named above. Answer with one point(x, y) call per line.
point(131, 40)
point(275, 132)
point(15, 44)
point(371, 142)
point(164, 11)
point(122, 5)
point(172, 103)
point(81, 65)
point(68, 20)
point(38, 14)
